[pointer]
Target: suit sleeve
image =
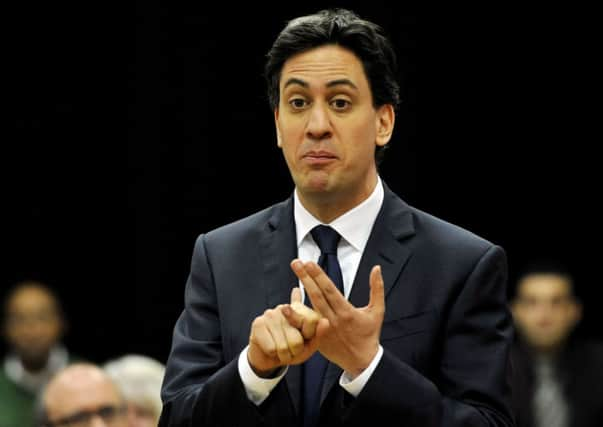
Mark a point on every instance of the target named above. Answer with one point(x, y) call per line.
point(473, 384)
point(200, 387)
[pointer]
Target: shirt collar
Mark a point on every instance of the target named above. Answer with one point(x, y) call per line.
point(354, 226)
point(33, 381)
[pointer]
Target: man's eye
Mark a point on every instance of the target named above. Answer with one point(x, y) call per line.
point(340, 104)
point(298, 103)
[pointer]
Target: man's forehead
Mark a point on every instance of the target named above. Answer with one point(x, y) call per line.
point(312, 68)
point(545, 285)
point(80, 388)
point(324, 64)
point(31, 296)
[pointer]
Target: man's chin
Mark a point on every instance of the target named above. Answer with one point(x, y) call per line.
point(316, 185)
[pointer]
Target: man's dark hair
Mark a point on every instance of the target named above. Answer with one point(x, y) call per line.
point(344, 28)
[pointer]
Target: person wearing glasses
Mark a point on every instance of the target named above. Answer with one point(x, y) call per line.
point(82, 395)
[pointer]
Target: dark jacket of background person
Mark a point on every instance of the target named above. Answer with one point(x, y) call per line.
point(580, 370)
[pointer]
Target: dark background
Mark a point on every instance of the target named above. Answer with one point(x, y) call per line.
point(132, 131)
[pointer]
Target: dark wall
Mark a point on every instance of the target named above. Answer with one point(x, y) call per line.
point(133, 137)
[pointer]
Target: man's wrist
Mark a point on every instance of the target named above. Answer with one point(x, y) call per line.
point(262, 373)
point(256, 388)
point(272, 373)
point(355, 385)
point(363, 364)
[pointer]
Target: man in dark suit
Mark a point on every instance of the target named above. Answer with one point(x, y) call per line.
point(558, 376)
point(405, 320)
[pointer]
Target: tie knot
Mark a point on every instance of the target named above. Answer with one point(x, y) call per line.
point(326, 238)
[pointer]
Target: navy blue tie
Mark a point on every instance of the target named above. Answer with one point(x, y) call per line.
point(327, 240)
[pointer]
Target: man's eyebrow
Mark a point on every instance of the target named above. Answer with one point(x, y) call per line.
point(345, 82)
point(294, 81)
point(332, 83)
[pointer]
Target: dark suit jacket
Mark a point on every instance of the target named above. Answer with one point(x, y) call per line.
point(446, 332)
point(579, 369)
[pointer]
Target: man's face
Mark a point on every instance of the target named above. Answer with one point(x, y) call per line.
point(141, 417)
point(85, 397)
point(545, 311)
point(32, 324)
point(327, 126)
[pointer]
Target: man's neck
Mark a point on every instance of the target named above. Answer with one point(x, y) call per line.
point(34, 366)
point(544, 353)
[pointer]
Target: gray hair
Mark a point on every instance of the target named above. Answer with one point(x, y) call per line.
point(139, 379)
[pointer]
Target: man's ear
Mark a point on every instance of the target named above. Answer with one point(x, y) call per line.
point(386, 117)
point(278, 131)
point(576, 311)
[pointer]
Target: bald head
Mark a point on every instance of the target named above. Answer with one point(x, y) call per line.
point(33, 323)
point(83, 390)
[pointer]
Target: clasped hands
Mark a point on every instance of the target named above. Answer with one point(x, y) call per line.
point(290, 333)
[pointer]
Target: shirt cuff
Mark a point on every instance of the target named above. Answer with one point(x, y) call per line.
point(355, 386)
point(257, 388)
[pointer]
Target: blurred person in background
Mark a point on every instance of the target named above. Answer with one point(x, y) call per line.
point(82, 395)
point(558, 377)
point(139, 380)
point(32, 325)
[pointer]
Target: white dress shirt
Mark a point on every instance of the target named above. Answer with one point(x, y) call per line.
point(355, 227)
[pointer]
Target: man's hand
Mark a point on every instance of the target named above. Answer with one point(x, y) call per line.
point(352, 338)
point(275, 341)
point(300, 316)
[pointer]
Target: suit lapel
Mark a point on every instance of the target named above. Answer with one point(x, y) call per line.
point(386, 248)
point(279, 248)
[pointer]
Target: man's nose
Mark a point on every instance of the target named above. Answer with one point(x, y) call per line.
point(319, 123)
point(544, 311)
point(97, 421)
